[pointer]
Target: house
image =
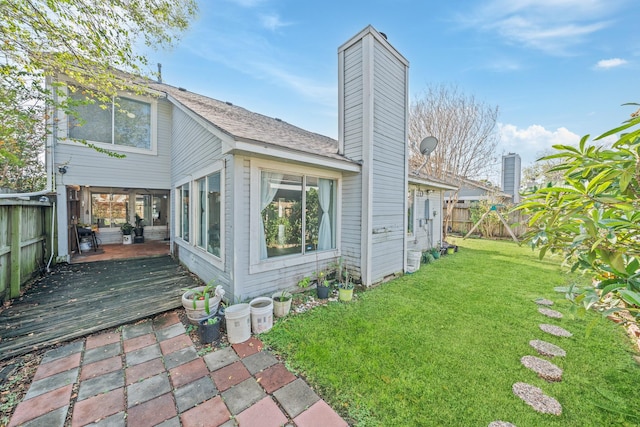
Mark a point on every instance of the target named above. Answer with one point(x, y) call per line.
point(249, 200)
point(425, 202)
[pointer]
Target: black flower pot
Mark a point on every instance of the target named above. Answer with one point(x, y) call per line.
point(323, 292)
point(209, 333)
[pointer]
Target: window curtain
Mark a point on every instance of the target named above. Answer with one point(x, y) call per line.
point(324, 200)
point(267, 193)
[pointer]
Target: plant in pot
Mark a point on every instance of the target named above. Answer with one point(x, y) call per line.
point(126, 230)
point(323, 285)
point(139, 228)
point(282, 303)
point(345, 284)
point(201, 301)
point(209, 329)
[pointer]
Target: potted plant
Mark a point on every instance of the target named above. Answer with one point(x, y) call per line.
point(323, 285)
point(209, 329)
point(345, 284)
point(201, 301)
point(282, 303)
point(139, 228)
point(126, 229)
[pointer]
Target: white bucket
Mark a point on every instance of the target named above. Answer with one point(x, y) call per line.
point(261, 314)
point(85, 244)
point(238, 321)
point(413, 261)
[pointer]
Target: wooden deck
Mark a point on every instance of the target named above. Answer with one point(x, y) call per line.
point(79, 299)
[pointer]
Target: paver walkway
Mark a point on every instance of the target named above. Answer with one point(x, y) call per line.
point(150, 374)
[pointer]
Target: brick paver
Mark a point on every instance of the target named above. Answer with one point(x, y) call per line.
point(139, 342)
point(152, 412)
point(98, 407)
point(265, 413)
point(229, 376)
point(40, 405)
point(213, 412)
point(57, 366)
point(100, 340)
point(188, 372)
point(102, 367)
point(144, 370)
point(150, 374)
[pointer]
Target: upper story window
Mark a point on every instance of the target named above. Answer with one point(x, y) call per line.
point(125, 122)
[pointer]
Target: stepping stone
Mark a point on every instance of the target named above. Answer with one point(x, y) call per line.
point(555, 330)
point(543, 301)
point(501, 424)
point(545, 369)
point(547, 349)
point(550, 313)
point(536, 398)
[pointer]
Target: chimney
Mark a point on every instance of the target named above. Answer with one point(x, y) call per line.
point(372, 129)
point(511, 171)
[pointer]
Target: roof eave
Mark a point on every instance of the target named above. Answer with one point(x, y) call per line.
point(264, 149)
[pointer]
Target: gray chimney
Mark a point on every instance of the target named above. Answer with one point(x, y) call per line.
point(511, 171)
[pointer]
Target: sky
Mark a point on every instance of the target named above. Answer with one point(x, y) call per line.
point(556, 69)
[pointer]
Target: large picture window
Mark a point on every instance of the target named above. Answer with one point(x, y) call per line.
point(123, 121)
point(209, 213)
point(297, 214)
point(109, 210)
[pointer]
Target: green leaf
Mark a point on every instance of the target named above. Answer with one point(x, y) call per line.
point(630, 297)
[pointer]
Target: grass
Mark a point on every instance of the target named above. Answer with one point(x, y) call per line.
point(442, 347)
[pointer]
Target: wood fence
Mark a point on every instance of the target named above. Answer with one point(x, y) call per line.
point(461, 222)
point(25, 243)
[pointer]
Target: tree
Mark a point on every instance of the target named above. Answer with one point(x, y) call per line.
point(90, 42)
point(542, 171)
point(593, 216)
point(465, 129)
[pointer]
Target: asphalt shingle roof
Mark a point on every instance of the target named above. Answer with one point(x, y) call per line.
point(246, 125)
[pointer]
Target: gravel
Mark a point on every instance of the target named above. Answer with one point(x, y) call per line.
point(536, 398)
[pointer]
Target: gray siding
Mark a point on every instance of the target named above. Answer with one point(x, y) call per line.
point(427, 228)
point(389, 164)
point(89, 167)
point(353, 149)
point(195, 148)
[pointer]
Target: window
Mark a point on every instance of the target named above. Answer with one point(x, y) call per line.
point(124, 121)
point(109, 210)
point(184, 212)
point(209, 213)
point(410, 212)
point(297, 214)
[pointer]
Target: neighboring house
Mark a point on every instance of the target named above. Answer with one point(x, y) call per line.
point(249, 200)
point(425, 202)
point(471, 191)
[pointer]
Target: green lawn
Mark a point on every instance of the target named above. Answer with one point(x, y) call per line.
point(442, 347)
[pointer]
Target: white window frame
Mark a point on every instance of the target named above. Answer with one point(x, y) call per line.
point(257, 265)
point(412, 193)
point(194, 223)
point(63, 127)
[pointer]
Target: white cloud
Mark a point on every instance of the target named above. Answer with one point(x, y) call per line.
point(247, 3)
point(553, 26)
point(610, 63)
point(272, 22)
point(531, 143)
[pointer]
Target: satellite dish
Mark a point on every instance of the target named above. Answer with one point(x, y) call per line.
point(428, 145)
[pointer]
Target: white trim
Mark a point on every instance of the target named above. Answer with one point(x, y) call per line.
point(62, 135)
point(369, 30)
point(266, 150)
point(256, 265)
point(194, 224)
point(341, 95)
point(367, 157)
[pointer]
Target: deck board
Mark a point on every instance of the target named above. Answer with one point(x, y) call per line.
point(80, 299)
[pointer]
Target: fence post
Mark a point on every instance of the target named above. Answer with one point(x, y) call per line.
point(16, 237)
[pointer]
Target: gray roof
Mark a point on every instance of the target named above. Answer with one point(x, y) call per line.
point(430, 180)
point(245, 125)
